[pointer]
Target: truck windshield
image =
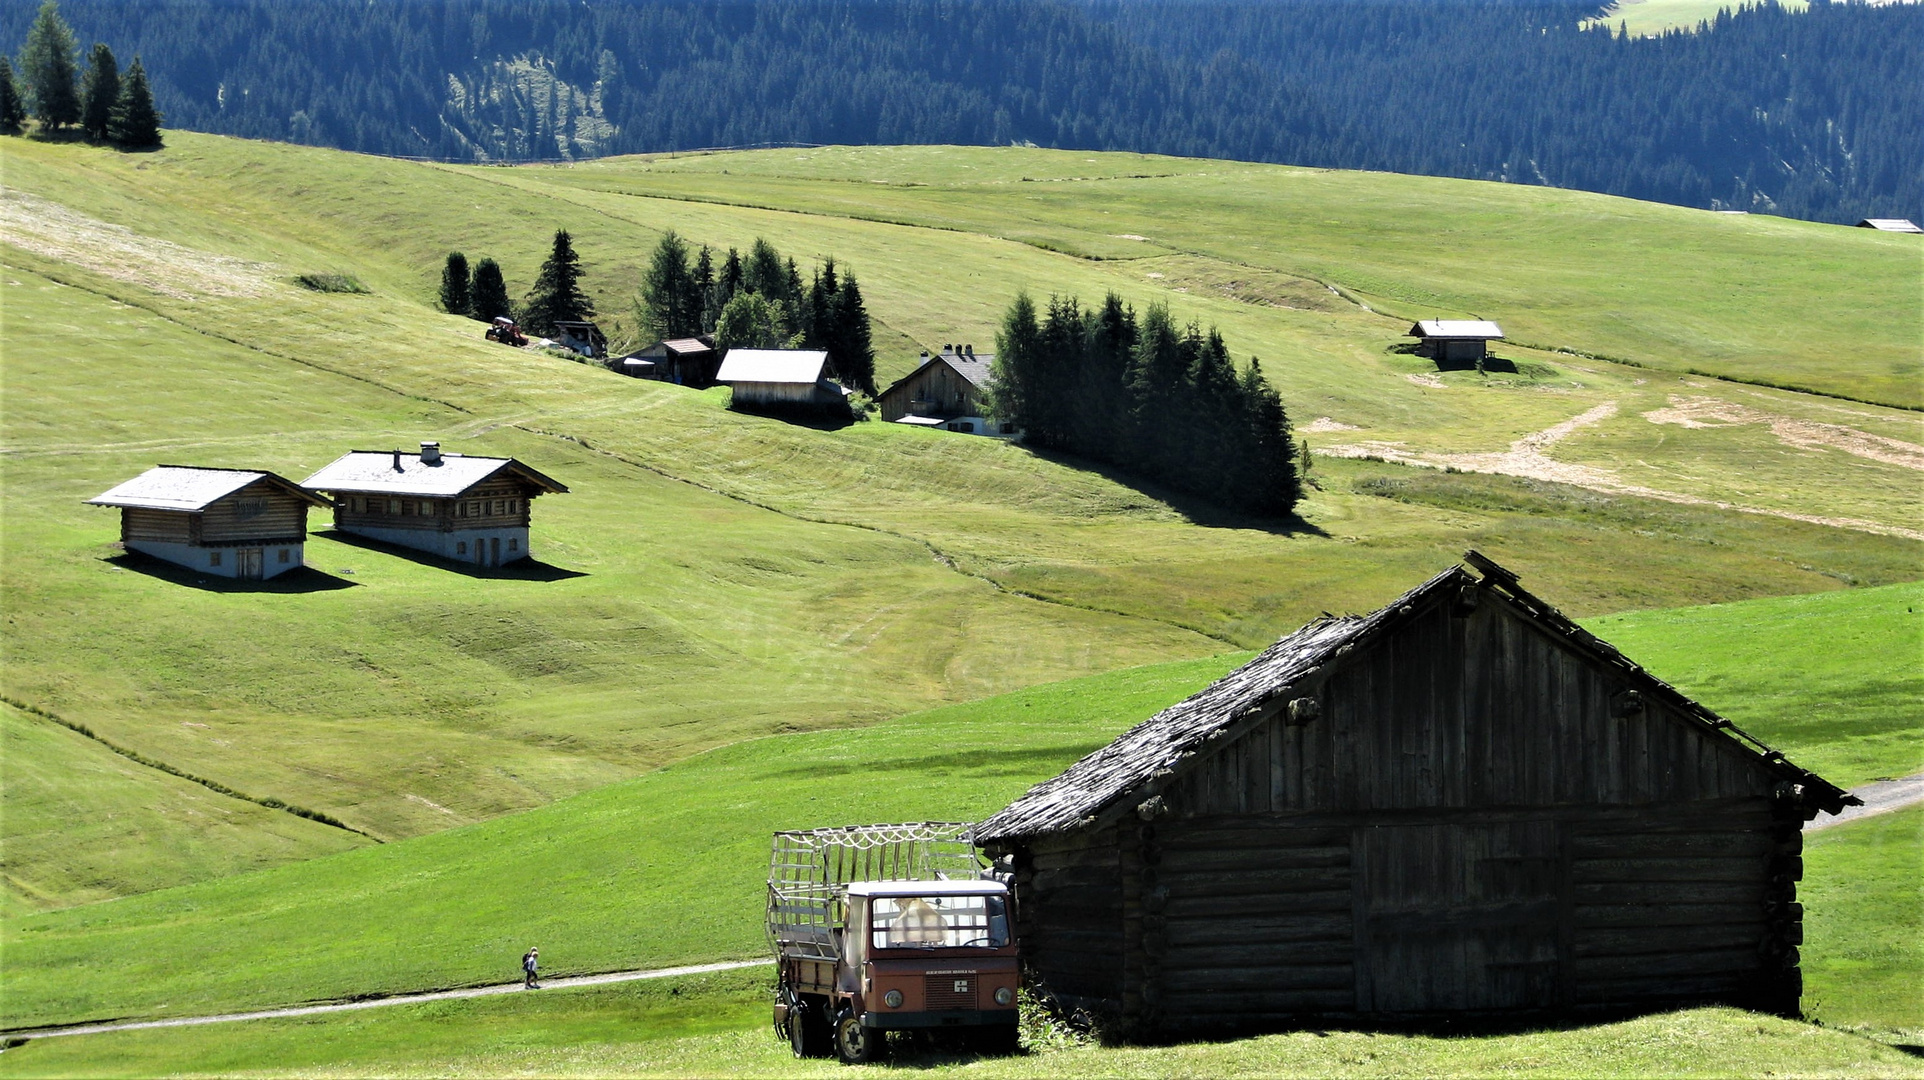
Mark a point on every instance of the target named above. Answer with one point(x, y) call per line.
point(939, 922)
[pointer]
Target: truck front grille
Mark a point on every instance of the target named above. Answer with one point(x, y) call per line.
point(942, 993)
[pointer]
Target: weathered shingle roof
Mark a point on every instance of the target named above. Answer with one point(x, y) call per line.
point(1168, 739)
point(1457, 328)
point(1890, 224)
point(190, 488)
point(687, 345)
point(387, 472)
point(772, 366)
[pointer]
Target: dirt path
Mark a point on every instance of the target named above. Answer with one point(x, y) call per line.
point(1881, 797)
point(376, 1003)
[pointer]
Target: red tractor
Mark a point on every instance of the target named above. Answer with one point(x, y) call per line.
point(506, 332)
point(880, 928)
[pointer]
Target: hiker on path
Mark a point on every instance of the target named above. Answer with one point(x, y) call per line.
point(530, 962)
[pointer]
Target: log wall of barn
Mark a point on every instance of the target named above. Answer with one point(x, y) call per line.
point(1069, 916)
point(1477, 819)
point(258, 512)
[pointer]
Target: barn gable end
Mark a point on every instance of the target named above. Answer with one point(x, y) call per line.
point(1461, 804)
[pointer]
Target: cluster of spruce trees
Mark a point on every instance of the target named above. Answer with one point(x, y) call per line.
point(104, 105)
point(758, 302)
point(1143, 394)
point(557, 295)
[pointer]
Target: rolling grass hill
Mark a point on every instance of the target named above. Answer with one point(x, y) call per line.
point(746, 602)
point(668, 868)
point(717, 577)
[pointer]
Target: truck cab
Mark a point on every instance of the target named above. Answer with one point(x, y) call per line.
point(909, 955)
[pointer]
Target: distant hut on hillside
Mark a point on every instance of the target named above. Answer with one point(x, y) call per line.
point(1889, 224)
point(781, 380)
point(949, 390)
point(234, 523)
point(469, 509)
point(682, 361)
point(584, 338)
point(1462, 804)
point(1456, 341)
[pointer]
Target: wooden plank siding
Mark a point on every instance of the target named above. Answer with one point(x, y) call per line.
point(1473, 818)
point(493, 505)
point(261, 512)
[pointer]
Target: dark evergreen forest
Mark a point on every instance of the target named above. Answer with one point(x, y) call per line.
point(1814, 114)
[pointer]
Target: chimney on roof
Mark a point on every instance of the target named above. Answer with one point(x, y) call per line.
point(925, 354)
point(397, 459)
point(947, 349)
point(430, 453)
point(970, 349)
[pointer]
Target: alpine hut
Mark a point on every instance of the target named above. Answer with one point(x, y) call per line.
point(1884, 224)
point(1455, 341)
point(948, 390)
point(780, 379)
point(469, 509)
point(682, 361)
point(1460, 805)
point(234, 523)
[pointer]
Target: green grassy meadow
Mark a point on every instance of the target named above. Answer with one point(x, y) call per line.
point(737, 624)
point(668, 868)
point(1642, 18)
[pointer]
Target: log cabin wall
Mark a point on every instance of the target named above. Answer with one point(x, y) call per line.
point(492, 505)
point(261, 512)
point(157, 526)
point(1069, 911)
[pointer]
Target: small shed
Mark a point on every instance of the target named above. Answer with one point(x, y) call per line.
point(1456, 341)
point(1460, 805)
point(683, 361)
point(1883, 224)
point(585, 338)
point(233, 523)
point(780, 379)
point(468, 509)
point(948, 390)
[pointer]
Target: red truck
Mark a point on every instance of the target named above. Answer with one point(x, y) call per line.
point(880, 928)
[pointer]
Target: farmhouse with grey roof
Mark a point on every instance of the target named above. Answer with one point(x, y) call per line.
point(948, 390)
point(469, 509)
point(1460, 804)
point(1450, 341)
point(234, 523)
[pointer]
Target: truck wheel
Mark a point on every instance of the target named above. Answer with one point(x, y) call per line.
point(855, 1044)
point(808, 1033)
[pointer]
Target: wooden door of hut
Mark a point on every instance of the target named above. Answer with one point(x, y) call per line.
point(1456, 917)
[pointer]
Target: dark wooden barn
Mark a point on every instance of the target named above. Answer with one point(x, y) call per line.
point(1460, 805)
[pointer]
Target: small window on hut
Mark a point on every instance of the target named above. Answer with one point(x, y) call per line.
point(283, 555)
point(460, 547)
point(514, 545)
point(213, 558)
point(394, 506)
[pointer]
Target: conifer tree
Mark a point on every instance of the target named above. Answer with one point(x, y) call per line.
point(13, 111)
point(855, 352)
point(457, 287)
point(704, 287)
point(136, 123)
point(1017, 344)
point(99, 93)
point(727, 284)
point(818, 321)
point(49, 63)
point(557, 295)
point(489, 300)
point(669, 304)
point(763, 272)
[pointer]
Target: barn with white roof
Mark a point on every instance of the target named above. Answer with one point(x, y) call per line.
point(780, 379)
point(1456, 341)
point(233, 523)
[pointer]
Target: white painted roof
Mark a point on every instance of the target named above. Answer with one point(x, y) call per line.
point(963, 887)
point(919, 421)
point(375, 471)
point(1890, 224)
point(772, 366)
point(176, 487)
point(1457, 328)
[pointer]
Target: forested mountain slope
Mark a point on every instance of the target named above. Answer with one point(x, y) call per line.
point(1809, 114)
